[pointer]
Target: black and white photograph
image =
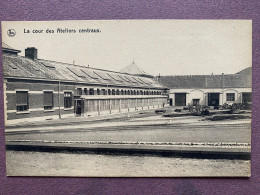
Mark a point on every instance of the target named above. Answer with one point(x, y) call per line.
point(128, 98)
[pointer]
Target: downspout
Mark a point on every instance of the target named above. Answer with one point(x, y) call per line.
point(222, 87)
point(59, 101)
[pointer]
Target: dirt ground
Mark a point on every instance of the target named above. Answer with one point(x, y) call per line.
point(131, 127)
point(94, 165)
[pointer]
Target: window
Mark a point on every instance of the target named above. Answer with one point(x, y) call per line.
point(91, 91)
point(109, 91)
point(85, 91)
point(67, 99)
point(103, 92)
point(98, 91)
point(48, 100)
point(79, 91)
point(230, 97)
point(22, 103)
point(113, 92)
point(195, 102)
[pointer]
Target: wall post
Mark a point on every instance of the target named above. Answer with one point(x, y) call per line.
point(98, 106)
point(120, 105)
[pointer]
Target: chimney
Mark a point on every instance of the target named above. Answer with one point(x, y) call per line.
point(31, 52)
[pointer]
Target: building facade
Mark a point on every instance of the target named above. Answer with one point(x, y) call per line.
point(37, 89)
point(209, 90)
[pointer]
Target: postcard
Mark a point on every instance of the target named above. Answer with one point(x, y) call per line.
point(128, 98)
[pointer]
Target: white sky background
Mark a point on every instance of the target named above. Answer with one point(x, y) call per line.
point(168, 47)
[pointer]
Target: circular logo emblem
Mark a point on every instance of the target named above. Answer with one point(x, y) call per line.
point(11, 32)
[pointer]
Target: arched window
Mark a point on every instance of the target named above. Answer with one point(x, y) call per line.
point(79, 91)
point(85, 91)
point(91, 91)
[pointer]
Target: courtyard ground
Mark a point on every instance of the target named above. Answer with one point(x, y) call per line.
point(60, 147)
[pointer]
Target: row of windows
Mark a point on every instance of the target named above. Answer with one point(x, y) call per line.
point(116, 92)
point(22, 100)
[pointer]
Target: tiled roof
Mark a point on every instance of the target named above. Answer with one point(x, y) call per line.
point(206, 81)
point(247, 71)
point(18, 66)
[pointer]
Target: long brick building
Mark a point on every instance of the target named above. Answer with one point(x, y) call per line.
point(37, 89)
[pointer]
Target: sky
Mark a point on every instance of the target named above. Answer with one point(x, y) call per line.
point(165, 47)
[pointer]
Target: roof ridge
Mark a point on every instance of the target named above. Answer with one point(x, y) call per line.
point(195, 75)
point(133, 67)
point(77, 65)
point(9, 48)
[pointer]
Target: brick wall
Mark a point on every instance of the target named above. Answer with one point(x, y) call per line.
point(36, 90)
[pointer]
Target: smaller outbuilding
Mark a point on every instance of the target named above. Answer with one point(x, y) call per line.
point(210, 90)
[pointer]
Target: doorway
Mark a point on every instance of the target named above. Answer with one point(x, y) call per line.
point(246, 97)
point(180, 99)
point(213, 99)
point(78, 107)
point(170, 102)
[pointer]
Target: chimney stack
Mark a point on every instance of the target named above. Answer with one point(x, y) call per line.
point(31, 52)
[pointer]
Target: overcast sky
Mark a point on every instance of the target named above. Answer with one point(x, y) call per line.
point(168, 47)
